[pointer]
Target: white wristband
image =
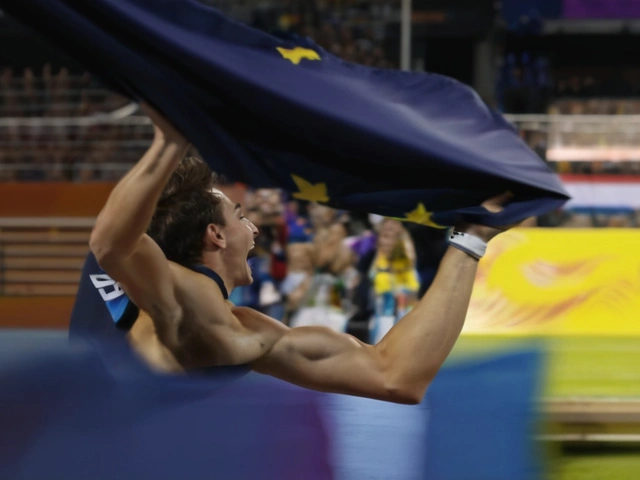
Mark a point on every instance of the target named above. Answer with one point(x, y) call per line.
point(469, 244)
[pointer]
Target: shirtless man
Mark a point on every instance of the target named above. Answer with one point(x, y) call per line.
point(178, 275)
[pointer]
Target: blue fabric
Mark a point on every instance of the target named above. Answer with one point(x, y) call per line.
point(380, 141)
point(66, 413)
point(483, 419)
point(374, 440)
point(94, 318)
point(477, 422)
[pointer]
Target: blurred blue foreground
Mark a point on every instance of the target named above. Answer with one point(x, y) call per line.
point(68, 413)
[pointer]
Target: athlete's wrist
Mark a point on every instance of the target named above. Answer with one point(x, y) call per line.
point(484, 233)
point(472, 245)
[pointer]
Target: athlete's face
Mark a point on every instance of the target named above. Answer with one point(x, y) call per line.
point(240, 236)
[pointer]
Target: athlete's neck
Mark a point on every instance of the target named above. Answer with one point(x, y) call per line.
point(214, 261)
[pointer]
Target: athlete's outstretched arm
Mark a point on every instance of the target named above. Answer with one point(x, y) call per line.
point(403, 364)
point(118, 239)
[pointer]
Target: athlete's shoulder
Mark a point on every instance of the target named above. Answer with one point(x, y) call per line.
point(256, 321)
point(198, 280)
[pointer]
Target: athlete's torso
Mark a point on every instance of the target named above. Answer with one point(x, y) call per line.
point(104, 316)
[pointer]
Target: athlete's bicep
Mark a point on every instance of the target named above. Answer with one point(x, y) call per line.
point(145, 275)
point(321, 359)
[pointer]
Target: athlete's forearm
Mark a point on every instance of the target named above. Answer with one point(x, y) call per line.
point(130, 207)
point(417, 346)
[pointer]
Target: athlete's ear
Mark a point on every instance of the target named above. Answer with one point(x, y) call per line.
point(215, 236)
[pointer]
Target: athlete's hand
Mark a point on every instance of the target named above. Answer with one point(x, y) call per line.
point(164, 131)
point(494, 205)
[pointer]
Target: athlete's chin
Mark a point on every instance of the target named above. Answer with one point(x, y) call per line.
point(246, 280)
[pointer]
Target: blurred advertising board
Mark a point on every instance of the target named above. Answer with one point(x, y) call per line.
point(558, 282)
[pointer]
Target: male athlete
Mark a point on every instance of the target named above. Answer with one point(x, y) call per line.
point(176, 246)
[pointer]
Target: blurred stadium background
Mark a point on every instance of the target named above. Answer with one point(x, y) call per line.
point(563, 71)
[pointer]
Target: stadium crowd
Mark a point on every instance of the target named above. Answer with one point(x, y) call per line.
point(46, 133)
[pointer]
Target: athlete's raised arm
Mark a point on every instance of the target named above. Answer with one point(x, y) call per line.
point(118, 239)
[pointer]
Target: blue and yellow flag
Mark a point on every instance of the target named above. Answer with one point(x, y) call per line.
point(281, 112)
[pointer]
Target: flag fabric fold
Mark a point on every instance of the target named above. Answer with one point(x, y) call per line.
point(279, 111)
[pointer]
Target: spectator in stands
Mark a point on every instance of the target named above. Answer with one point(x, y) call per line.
point(297, 283)
point(52, 151)
point(388, 281)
